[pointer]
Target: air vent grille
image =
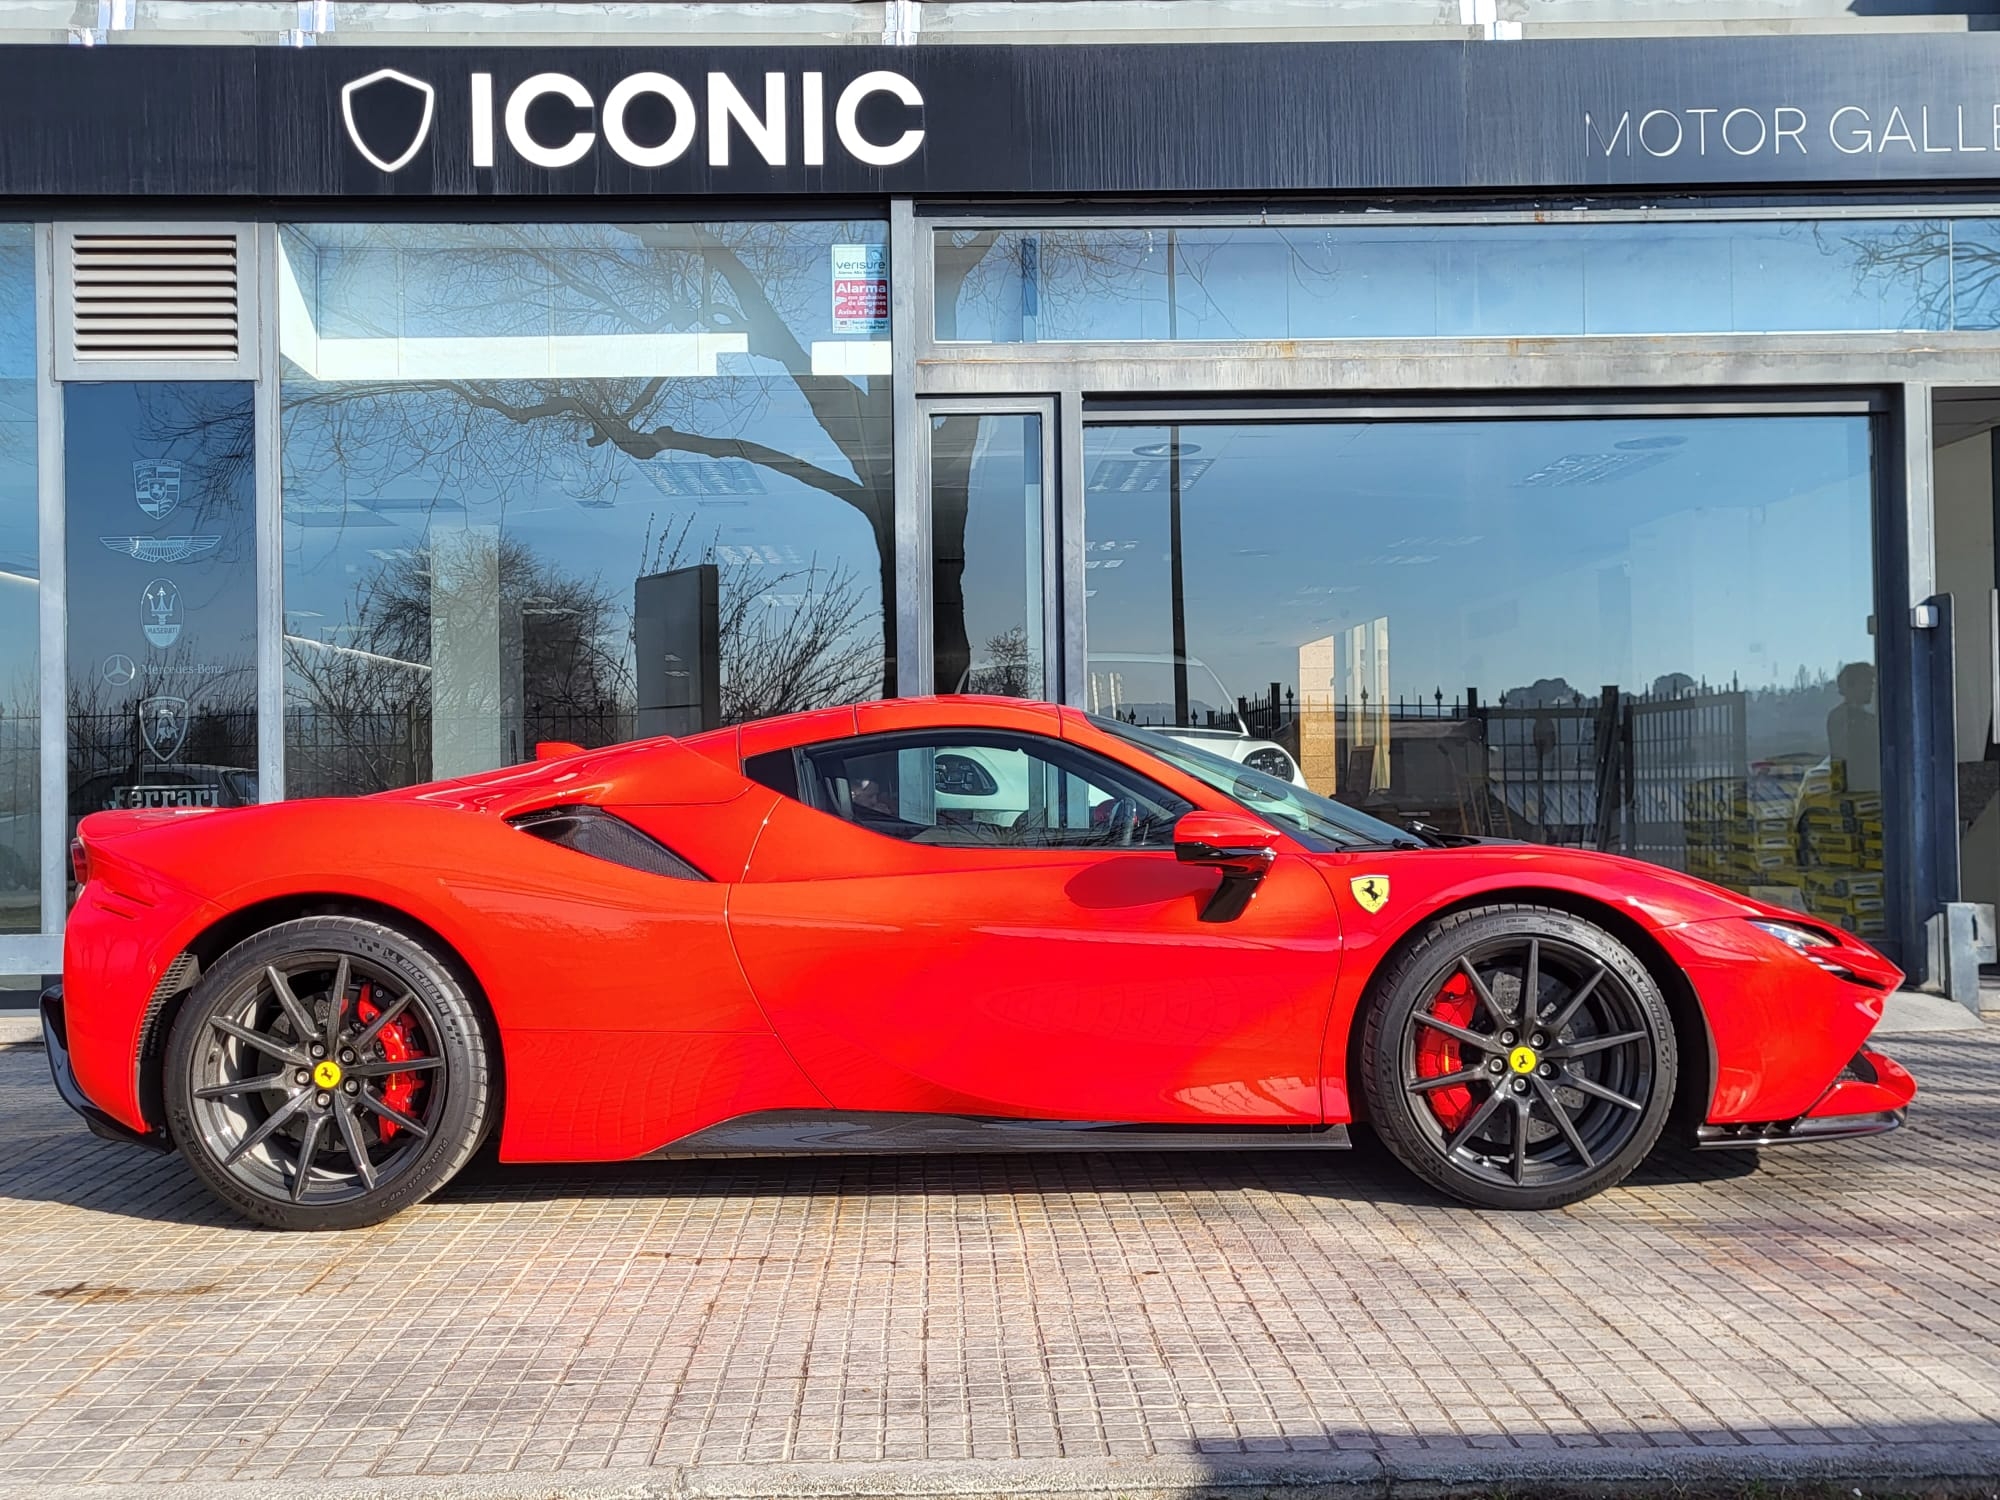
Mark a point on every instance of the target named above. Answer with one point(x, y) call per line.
point(154, 297)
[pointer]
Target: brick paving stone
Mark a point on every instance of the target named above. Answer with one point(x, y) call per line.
point(1200, 1309)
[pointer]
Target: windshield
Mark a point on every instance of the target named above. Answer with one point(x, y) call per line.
point(1317, 822)
point(1143, 690)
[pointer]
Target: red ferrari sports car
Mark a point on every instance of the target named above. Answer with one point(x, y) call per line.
point(952, 924)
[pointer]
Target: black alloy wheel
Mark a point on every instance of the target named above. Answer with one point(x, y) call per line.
point(1519, 1057)
point(327, 1073)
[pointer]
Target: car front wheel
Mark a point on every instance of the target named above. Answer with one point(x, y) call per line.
point(327, 1073)
point(1518, 1057)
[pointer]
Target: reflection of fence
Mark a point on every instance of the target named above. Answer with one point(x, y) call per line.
point(1607, 772)
point(109, 749)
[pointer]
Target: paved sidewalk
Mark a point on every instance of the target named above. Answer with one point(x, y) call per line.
point(1143, 1325)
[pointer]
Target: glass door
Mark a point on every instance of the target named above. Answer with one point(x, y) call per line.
point(989, 472)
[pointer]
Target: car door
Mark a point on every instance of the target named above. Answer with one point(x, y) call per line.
point(992, 921)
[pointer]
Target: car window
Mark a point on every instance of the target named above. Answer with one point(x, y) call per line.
point(971, 788)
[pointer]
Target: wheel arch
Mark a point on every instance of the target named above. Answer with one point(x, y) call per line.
point(216, 939)
point(1695, 1039)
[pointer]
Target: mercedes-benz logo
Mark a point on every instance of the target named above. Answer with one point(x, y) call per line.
point(120, 669)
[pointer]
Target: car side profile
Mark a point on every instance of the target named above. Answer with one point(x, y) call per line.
point(950, 924)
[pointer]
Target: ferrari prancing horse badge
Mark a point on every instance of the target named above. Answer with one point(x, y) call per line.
point(1372, 891)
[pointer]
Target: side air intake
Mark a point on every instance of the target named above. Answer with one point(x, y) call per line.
point(602, 835)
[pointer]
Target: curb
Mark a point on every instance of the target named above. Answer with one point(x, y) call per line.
point(1960, 1468)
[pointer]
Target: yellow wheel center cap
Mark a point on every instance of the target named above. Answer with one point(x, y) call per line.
point(1521, 1060)
point(327, 1074)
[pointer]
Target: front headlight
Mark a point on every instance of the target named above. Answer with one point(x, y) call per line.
point(1797, 936)
point(1271, 761)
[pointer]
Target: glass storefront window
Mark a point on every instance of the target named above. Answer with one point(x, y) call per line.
point(1389, 280)
point(1645, 635)
point(162, 585)
point(576, 482)
point(986, 554)
point(20, 593)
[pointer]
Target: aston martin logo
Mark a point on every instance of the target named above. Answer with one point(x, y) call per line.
point(398, 113)
point(163, 724)
point(163, 549)
point(156, 485)
point(1371, 891)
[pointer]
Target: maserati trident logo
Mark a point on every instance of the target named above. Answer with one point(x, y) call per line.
point(399, 112)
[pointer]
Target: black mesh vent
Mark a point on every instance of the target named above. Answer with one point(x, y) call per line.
point(603, 835)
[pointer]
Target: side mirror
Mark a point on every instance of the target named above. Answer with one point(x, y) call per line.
point(555, 749)
point(1240, 847)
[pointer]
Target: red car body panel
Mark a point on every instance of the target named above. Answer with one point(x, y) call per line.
point(825, 966)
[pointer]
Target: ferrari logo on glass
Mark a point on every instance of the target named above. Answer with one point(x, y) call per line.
point(1372, 891)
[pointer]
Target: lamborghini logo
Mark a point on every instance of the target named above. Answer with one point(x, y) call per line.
point(1372, 891)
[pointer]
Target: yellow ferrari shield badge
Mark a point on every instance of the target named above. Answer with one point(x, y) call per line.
point(1372, 891)
point(327, 1074)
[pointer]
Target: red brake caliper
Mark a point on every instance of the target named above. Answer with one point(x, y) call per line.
point(398, 1088)
point(1437, 1054)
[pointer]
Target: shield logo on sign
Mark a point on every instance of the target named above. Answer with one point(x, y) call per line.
point(163, 725)
point(388, 117)
point(156, 485)
point(160, 612)
point(1371, 891)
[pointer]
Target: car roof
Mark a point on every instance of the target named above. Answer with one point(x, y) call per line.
point(882, 716)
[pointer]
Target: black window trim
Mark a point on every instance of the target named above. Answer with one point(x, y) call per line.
point(1048, 747)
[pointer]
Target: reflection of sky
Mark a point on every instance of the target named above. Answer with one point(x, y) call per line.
point(372, 467)
point(1500, 553)
point(20, 545)
point(1003, 534)
point(1404, 281)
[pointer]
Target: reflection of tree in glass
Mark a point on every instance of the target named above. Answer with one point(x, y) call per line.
point(790, 640)
point(1008, 667)
point(464, 437)
point(1951, 268)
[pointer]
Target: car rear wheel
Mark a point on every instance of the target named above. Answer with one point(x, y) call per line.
point(1518, 1057)
point(327, 1073)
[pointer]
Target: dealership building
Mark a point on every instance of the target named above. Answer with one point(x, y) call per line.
point(1552, 420)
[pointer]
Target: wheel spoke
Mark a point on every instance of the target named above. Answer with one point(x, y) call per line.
point(1596, 1044)
point(276, 1118)
point(1521, 1143)
point(383, 1017)
point(1564, 1123)
point(1459, 1033)
point(1531, 987)
point(394, 1116)
point(308, 1145)
point(350, 1137)
point(1572, 1005)
point(382, 1068)
point(336, 1005)
point(247, 1086)
point(1599, 1091)
point(297, 1014)
point(1470, 1128)
point(1445, 1080)
point(1485, 995)
point(269, 1046)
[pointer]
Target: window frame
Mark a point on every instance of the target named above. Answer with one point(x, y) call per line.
point(1101, 771)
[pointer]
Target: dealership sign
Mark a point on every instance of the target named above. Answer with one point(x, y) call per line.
point(1300, 118)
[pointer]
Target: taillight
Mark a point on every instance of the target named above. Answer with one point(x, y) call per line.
point(79, 862)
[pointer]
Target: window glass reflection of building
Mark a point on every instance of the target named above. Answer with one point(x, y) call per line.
point(1644, 635)
point(576, 482)
point(20, 593)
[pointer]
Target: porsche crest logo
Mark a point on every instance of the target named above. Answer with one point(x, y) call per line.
point(1372, 891)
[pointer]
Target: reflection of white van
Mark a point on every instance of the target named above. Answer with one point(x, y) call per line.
point(1138, 687)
